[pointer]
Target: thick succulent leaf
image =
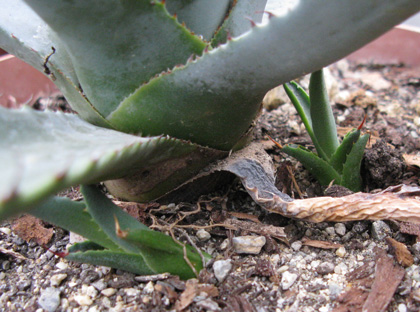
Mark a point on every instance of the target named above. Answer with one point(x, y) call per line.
point(116, 46)
point(121, 260)
point(26, 35)
point(351, 169)
point(107, 215)
point(73, 216)
point(212, 101)
point(239, 20)
point(203, 17)
point(323, 122)
point(301, 102)
point(339, 157)
point(43, 152)
point(159, 251)
point(163, 254)
point(317, 166)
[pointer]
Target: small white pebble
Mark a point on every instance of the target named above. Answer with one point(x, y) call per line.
point(149, 288)
point(62, 265)
point(341, 252)
point(83, 300)
point(56, 279)
point(330, 230)
point(89, 290)
point(287, 280)
point(340, 229)
point(402, 307)
point(5, 230)
point(203, 235)
point(283, 268)
point(224, 245)
point(108, 292)
point(296, 245)
point(131, 292)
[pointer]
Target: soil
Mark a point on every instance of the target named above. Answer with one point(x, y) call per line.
point(374, 266)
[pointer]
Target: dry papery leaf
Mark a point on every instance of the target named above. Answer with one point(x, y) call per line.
point(373, 296)
point(192, 289)
point(401, 252)
point(320, 244)
point(259, 228)
point(253, 166)
point(31, 228)
point(399, 202)
point(11, 253)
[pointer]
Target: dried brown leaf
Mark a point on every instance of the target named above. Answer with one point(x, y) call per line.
point(320, 244)
point(11, 253)
point(399, 202)
point(259, 228)
point(187, 295)
point(400, 251)
point(387, 278)
point(31, 228)
point(246, 216)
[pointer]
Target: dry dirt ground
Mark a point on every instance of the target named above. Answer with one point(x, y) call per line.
point(349, 266)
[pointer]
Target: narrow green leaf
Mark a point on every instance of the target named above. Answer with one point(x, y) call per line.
point(73, 216)
point(300, 100)
point(351, 169)
point(321, 169)
point(323, 122)
point(339, 157)
point(121, 260)
point(85, 246)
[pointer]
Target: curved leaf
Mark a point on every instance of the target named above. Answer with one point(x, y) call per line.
point(203, 17)
point(351, 169)
point(105, 213)
point(213, 100)
point(340, 155)
point(238, 22)
point(43, 152)
point(28, 37)
point(122, 260)
point(73, 216)
point(323, 121)
point(317, 166)
point(301, 102)
point(116, 46)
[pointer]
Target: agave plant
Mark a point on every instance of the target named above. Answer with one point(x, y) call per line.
point(161, 89)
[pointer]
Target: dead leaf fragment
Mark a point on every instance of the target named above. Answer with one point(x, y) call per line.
point(320, 244)
point(259, 228)
point(387, 278)
point(187, 295)
point(11, 253)
point(31, 228)
point(400, 251)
